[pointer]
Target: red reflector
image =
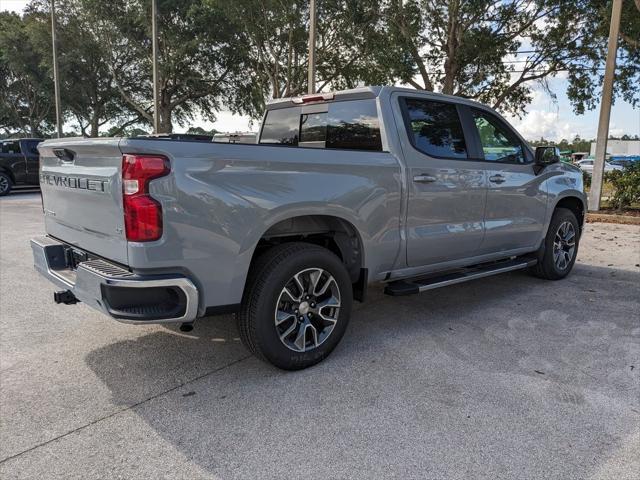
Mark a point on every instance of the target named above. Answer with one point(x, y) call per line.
point(142, 214)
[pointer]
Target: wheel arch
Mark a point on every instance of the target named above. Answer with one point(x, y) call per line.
point(335, 233)
point(576, 205)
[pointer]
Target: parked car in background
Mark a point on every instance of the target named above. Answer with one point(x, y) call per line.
point(342, 190)
point(586, 165)
point(621, 163)
point(624, 161)
point(19, 163)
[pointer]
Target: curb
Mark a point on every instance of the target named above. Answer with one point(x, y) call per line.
point(612, 218)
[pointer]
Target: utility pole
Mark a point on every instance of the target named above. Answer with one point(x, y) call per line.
point(154, 54)
point(605, 109)
point(56, 75)
point(312, 46)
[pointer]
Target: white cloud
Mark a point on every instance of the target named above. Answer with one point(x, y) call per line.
point(539, 123)
point(17, 6)
point(616, 132)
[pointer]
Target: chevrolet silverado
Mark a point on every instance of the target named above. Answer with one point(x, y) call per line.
point(344, 190)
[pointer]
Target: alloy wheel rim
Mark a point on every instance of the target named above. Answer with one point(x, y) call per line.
point(4, 184)
point(564, 245)
point(307, 309)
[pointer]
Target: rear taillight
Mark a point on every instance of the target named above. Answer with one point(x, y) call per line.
point(142, 213)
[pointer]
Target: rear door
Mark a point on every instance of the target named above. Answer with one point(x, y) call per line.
point(13, 160)
point(516, 196)
point(32, 157)
point(82, 194)
point(446, 184)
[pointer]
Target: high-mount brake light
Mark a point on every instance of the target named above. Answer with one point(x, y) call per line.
point(142, 213)
point(314, 97)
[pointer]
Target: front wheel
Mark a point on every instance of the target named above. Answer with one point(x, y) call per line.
point(560, 247)
point(296, 305)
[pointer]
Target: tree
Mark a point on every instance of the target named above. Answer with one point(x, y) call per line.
point(585, 84)
point(198, 67)
point(272, 37)
point(201, 131)
point(26, 89)
point(489, 51)
point(88, 94)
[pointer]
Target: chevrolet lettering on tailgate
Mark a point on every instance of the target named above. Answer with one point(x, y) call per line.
point(75, 182)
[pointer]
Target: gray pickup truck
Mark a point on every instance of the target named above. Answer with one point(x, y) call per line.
point(376, 185)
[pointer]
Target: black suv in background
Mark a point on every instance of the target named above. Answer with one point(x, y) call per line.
point(19, 163)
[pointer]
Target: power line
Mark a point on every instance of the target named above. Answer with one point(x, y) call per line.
point(556, 70)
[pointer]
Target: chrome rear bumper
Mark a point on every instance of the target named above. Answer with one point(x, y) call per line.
point(96, 281)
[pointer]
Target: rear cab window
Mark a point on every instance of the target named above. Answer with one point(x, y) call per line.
point(349, 125)
point(281, 127)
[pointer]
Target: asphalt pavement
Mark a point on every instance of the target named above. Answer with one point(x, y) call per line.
point(505, 377)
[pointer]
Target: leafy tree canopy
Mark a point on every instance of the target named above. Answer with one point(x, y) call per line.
point(26, 88)
point(236, 55)
point(495, 52)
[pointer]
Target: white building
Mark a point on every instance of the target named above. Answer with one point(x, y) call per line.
point(620, 147)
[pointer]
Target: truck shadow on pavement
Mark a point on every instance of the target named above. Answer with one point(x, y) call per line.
point(456, 381)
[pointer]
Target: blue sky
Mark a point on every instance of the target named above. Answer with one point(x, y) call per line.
point(544, 117)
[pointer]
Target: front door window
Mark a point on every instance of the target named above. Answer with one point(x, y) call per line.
point(499, 144)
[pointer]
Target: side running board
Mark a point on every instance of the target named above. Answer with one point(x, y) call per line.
point(419, 285)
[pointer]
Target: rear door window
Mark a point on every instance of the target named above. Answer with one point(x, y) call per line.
point(11, 147)
point(434, 128)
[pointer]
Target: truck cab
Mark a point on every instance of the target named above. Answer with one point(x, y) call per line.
point(19, 163)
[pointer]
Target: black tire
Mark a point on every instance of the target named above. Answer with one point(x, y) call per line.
point(270, 274)
point(547, 266)
point(5, 184)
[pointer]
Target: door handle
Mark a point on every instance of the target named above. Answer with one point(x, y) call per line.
point(424, 179)
point(497, 179)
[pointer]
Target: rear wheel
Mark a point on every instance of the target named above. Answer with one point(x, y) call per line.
point(560, 246)
point(5, 184)
point(296, 306)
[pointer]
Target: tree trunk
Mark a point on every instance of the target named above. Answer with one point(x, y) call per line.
point(166, 125)
point(165, 110)
point(450, 63)
point(94, 124)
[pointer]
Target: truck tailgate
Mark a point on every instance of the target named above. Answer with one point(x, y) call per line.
point(82, 194)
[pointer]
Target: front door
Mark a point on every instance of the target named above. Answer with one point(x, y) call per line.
point(446, 186)
point(516, 197)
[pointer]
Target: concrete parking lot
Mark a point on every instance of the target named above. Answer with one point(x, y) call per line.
point(506, 377)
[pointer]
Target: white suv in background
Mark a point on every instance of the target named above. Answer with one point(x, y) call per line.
point(586, 165)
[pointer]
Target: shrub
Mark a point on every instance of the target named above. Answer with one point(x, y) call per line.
point(626, 184)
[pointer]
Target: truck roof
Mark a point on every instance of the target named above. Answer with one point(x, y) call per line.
point(350, 94)
point(363, 93)
point(18, 139)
